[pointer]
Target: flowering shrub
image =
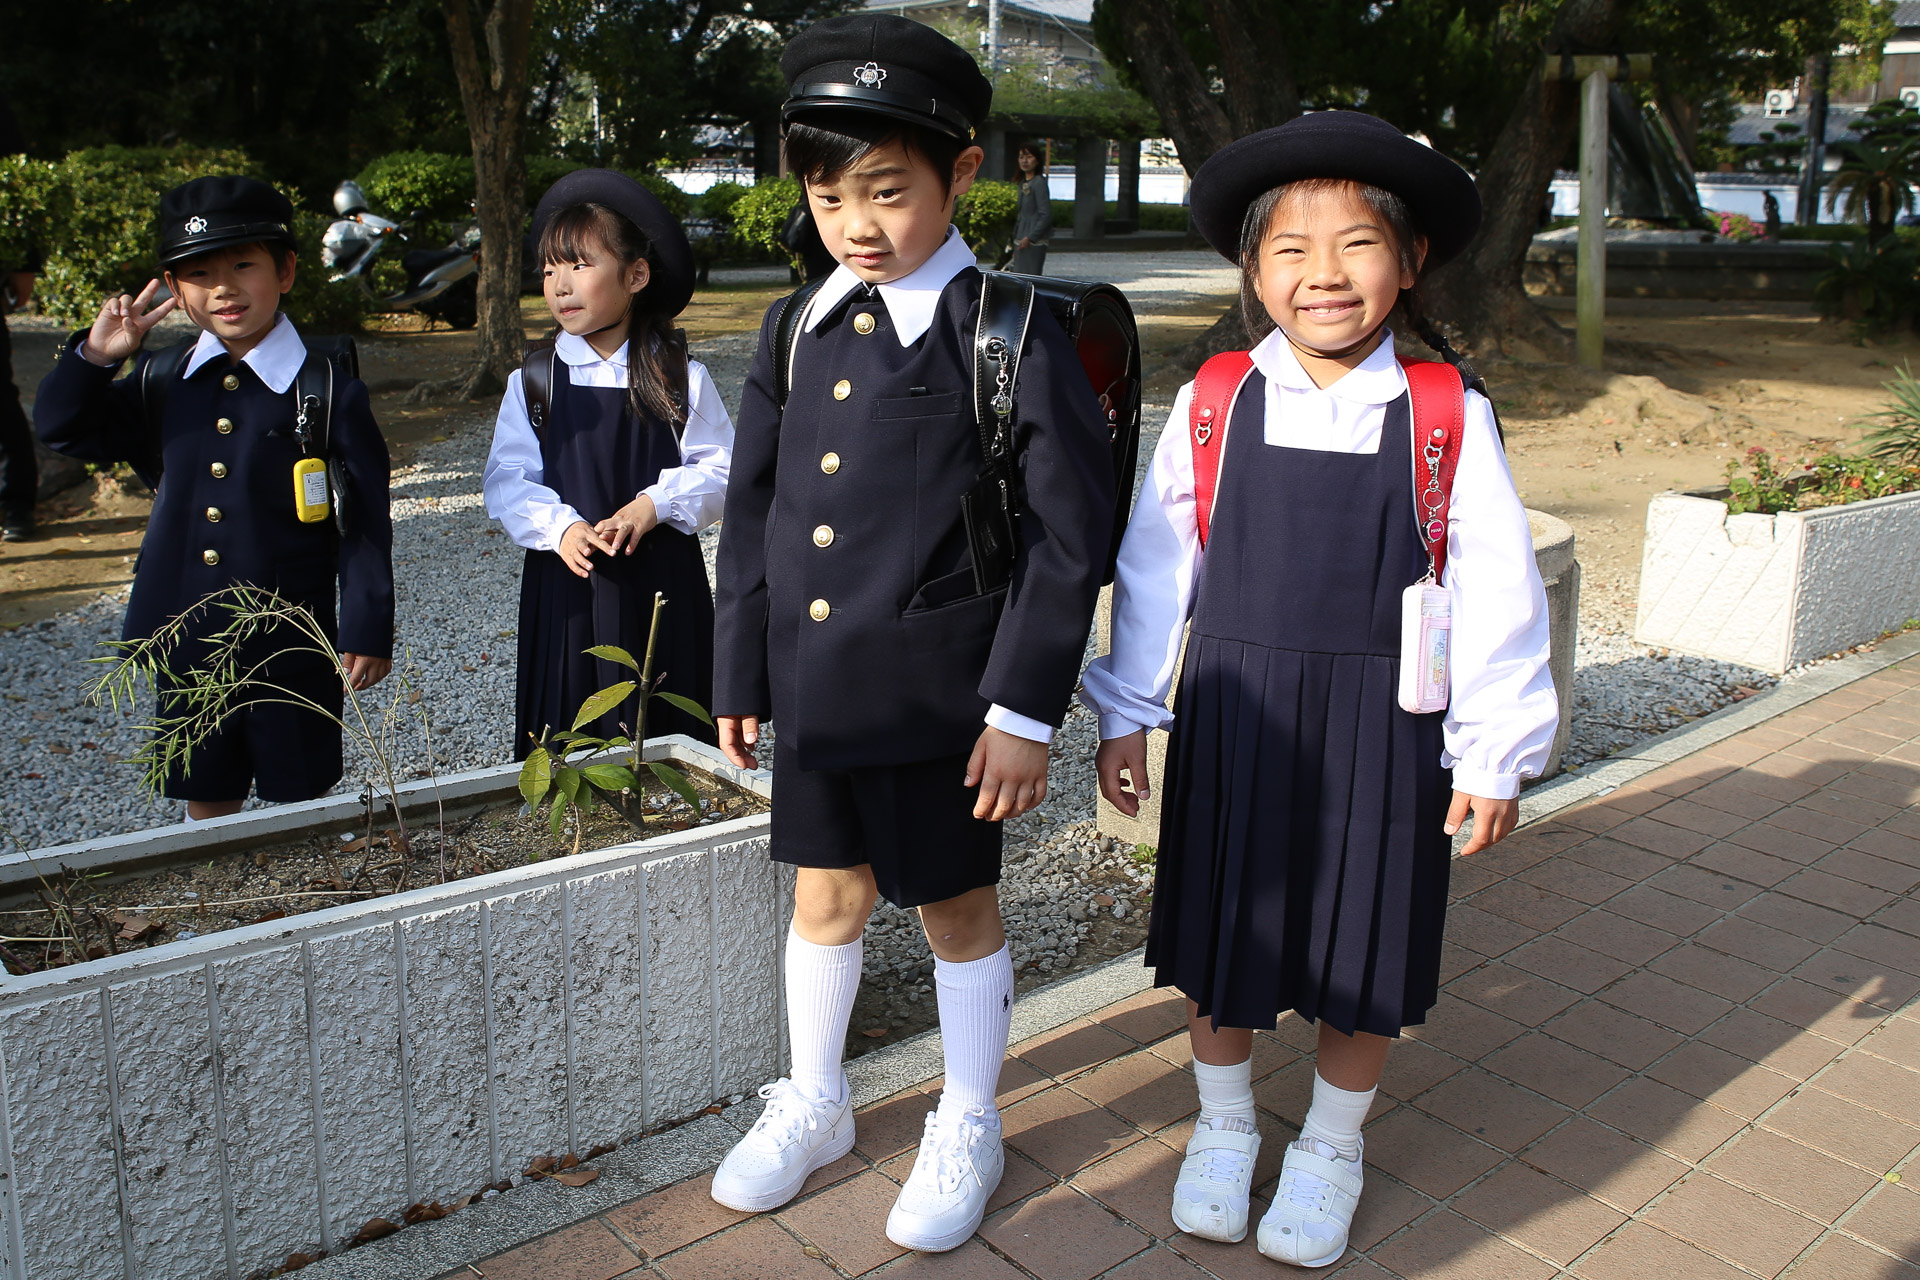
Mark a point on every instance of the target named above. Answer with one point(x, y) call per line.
point(1738, 226)
point(1830, 480)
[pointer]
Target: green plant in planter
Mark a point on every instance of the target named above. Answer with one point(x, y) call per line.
point(549, 775)
point(1896, 437)
point(1763, 489)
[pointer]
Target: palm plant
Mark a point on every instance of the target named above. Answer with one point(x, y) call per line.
point(1875, 179)
point(1896, 437)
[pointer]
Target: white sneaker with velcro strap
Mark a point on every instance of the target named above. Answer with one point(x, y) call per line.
point(1312, 1207)
point(1216, 1181)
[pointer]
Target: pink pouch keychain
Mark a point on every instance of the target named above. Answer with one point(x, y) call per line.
point(1426, 607)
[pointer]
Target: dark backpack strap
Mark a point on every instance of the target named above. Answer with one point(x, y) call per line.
point(786, 326)
point(999, 336)
point(536, 385)
point(157, 372)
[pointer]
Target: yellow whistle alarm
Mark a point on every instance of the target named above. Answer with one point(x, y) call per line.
point(310, 490)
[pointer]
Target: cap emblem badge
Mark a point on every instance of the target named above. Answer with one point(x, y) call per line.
point(870, 75)
point(196, 225)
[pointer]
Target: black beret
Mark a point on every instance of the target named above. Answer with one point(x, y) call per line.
point(1336, 144)
point(889, 65)
point(672, 283)
point(218, 213)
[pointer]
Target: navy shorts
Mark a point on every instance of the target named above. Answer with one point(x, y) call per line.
point(912, 823)
point(282, 753)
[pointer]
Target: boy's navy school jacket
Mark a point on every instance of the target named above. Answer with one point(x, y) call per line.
point(846, 605)
point(224, 513)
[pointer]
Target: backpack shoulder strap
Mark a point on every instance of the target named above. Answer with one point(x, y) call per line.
point(1215, 388)
point(1439, 401)
point(536, 384)
point(786, 326)
point(157, 372)
point(999, 336)
point(313, 390)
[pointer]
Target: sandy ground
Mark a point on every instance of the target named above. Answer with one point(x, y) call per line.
point(1690, 385)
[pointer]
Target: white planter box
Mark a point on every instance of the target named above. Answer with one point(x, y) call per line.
point(1774, 591)
point(210, 1106)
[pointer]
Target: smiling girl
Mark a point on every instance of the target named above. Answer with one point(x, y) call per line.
point(607, 477)
point(1304, 852)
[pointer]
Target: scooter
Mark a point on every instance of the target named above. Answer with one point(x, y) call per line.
point(442, 283)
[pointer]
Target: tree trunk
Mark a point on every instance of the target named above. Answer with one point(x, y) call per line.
point(1179, 91)
point(1814, 165)
point(1480, 295)
point(492, 72)
point(1254, 67)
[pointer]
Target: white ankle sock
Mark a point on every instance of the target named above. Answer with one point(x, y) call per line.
point(821, 982)
point(1226, 1095)
point(976, 1010)
point(1336, 1116)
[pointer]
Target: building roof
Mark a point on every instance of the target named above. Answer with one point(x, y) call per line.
point(1746, 128)
point(1075, 12)
point(1907, 13)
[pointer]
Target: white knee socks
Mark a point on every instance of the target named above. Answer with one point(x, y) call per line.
point(976, 1010)
point(1226, 1095)
point(821, 983)
point(1336, 1116)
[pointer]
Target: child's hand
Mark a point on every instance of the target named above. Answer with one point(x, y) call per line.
point(577, 545)
point(1123, 756)
point(364, 672)
point(1493, 820)
point(739, 735)
point(629, 524)
point(1011, 773)
point(122, 325)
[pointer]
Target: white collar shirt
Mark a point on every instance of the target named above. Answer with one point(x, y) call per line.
point(911, 300)
point(276, 358)
point(1343, 418)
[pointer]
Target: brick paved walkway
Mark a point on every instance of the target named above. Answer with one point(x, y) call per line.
point(1679, 1038)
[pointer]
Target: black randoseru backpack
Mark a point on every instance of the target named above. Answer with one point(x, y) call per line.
point(1098, 320)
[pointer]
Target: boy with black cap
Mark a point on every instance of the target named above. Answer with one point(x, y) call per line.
point(227, 511)
point(914, 689)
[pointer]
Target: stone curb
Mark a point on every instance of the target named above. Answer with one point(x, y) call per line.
point(536, 1209)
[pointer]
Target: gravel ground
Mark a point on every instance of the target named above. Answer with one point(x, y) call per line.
point(457, 579)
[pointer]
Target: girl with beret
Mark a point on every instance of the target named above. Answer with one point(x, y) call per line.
point(608, 483)
point(1305, 846)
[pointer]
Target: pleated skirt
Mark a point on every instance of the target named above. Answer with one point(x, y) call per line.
point(562, 615)
point(1303, 863)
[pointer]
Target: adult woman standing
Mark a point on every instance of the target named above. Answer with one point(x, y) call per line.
point(1034, 223)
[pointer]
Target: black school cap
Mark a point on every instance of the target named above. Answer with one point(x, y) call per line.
point(1336, 144)
point(888, 65)
point(671, 287)
point(217, 213)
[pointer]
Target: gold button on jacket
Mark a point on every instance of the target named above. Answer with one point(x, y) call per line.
point(213, 514)
point(219, 470)
point(231, 382)
point(210, 556)
point(819, 609)
point(830, 463)
point(224, 426)
point(863, 323)
point(823, 536)
point(842, 389)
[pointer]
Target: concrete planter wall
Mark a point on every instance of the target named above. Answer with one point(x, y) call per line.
point(208, 1107)
point(1553, 553)
point(1774, 591)
point(1722, 270)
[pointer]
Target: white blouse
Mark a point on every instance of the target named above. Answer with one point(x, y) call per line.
point(1501, 721)
point(688, 497)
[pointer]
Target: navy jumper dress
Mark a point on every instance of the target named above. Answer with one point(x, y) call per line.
point(1303, 863)
point(597, 456)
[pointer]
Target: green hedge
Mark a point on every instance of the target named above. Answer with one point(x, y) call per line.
point(760, 216)
point(985, 216)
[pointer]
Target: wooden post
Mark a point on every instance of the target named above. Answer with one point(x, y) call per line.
point(1089, 188)
point(1590, 304)
point(1127, 204)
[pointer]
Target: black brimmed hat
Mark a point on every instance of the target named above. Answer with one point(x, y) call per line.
point(218, 213)
point(1336, 144)
point(672, 282)
point(888, 65)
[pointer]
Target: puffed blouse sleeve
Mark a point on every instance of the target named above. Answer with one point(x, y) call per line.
point(691, 496)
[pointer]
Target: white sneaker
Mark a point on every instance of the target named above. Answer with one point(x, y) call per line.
point(1312, 1207)
point(945, 1197)
point(795, 1135)
point(1216, 1179)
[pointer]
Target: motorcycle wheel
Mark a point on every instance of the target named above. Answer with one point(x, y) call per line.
point(458, 306)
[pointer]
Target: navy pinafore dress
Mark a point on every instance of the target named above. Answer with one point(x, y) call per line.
point(597, 456)
point(1303, 863)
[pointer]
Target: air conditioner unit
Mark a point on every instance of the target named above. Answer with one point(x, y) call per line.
point(1910, 96)
point(1780, 102)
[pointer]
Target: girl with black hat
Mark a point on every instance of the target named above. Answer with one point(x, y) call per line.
point(606, 475)
point(1305, 845)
